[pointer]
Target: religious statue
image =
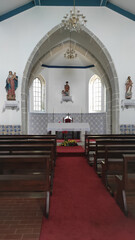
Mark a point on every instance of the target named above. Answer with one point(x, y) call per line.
point(129, 83)
point(66, 90)
point(66, 94)
point(11, 85)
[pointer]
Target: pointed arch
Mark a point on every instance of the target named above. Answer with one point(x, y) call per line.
point(89, 43)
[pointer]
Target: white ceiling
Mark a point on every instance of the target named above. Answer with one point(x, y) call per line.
point(9, 8)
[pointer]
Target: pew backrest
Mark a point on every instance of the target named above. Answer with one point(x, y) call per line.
point(90, 139)
point(114, 153)
point(24, 173)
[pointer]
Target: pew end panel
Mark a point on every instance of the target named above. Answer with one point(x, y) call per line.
point(120, 195)
point(125, 194)
point(113, 164)
point(103, 174)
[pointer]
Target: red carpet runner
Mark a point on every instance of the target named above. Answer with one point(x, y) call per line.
point(81, 208)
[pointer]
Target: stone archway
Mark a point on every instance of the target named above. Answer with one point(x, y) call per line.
point(102, 59)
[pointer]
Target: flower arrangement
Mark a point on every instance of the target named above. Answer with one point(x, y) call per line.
point(67, 143)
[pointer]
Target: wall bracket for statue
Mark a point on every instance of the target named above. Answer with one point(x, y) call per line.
point(127, 103)
point(13, 105)
point(66, 99)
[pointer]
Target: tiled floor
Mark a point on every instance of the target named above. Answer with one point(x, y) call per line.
point(20, 219)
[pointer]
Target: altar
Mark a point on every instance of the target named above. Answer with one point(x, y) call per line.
point(74, 126)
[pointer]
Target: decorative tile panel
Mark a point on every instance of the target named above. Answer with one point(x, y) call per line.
point(37, 124)
point(127, 129)
point(10, 130)
point(38, 121)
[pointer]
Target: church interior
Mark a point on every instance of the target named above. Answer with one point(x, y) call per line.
point(67, 120)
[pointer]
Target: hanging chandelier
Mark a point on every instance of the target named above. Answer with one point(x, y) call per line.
point(74, 21)
point(70, 53)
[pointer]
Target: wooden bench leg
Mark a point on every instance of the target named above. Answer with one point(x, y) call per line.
point(125, 203)
point(47, 204)
point(51, 181)
point(103, 175)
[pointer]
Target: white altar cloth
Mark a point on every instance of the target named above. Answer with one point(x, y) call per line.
point(68, 127)
point(76, 126)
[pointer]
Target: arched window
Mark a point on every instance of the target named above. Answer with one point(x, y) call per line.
point(97, 95)
point(37, 95)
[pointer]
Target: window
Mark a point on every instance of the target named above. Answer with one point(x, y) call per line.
point(97, 95)
point(37, 95)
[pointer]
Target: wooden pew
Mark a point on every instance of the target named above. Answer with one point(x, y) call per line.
point(10, 146)
point(90, 140)
point(99, 154)
point(25, 176)
point(113, 163)
point(28, 136)
point(32, 140)
point(125, 194)
point(40, 152)
point(30, 143)
point(37, 147)
point(29, 139)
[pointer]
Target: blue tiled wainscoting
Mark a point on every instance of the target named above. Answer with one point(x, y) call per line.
point(127, 129)
point(10, 129)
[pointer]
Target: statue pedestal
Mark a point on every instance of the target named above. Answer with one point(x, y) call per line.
point(13, 105)
point(66, 99)
point(126, 103)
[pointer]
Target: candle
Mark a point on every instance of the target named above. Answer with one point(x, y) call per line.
point(81, 114)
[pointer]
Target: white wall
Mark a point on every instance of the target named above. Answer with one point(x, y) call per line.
point(21, 33)
point(77, 90)
point(78, 80)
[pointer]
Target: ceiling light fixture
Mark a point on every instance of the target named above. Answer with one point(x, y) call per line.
point(70, 53)
point(74, 21)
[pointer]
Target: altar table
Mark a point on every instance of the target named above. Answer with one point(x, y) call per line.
point(74, 126)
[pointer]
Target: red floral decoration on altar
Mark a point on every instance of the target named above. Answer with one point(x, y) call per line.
point(65, 135)
point(64, 132)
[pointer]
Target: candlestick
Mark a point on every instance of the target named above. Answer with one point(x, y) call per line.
point(53, 114)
